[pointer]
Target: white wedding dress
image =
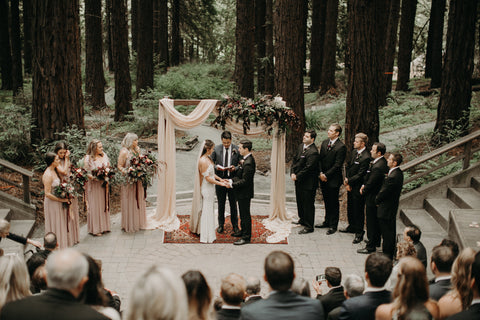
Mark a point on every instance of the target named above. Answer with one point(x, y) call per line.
point(207, 220)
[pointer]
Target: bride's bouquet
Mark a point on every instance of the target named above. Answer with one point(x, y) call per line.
point(142, 168)
point(78, 177)
point(104, 174)
point(65, 190)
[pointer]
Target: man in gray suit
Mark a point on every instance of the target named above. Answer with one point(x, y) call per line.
point(282, 302)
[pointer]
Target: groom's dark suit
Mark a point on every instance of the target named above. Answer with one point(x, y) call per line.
point(243, 187)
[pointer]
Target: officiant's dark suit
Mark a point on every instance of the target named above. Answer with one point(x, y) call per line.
point(226, 155)
point(304, 171)
point(243, 187)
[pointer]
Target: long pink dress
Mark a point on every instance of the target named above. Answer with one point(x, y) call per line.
point(74, 233)
point(58, 221)
point(98, 213)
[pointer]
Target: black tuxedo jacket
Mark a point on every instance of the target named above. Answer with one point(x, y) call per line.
point(305, 167)
point(388, 197)
point(363, 307)
point(217, 157)
point(472, 313)
point(357, 168)
point(331, 162)
point(54, 304)
point(374, 178)
point(439, 288)
point(228, 314)
point(283, 305)
point(243, 180)
point(332, 299)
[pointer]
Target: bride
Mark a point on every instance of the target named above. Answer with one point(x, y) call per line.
point(202, 218)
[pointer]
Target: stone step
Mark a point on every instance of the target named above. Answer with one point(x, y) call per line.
point(420, 217)
point(22, 227)
point(475, 183)
point(464, 198)
point(439, 209)
point(464, 227)
point(5, 214)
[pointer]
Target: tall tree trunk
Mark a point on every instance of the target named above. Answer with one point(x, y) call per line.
point(433, 63)
point(134, 22)
point(260, 42)
point(269, 65)
point(27, 36)
point(94, 77)
point(244, 57)
point(391, 43)
point(160, 32)
point(108, 40)
point(319, 8)
point(288, 64)
point(305, 26)
point(123, 83)
point(362, 93)
point(57, 88)
point(405, 44)
point(382, 13)
point(17, 72)
point(145, 46)
point(456, 91)
point(5, 50)
point(327, 81)
point(176, 41)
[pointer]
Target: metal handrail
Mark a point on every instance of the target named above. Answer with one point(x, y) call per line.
point(26, 175)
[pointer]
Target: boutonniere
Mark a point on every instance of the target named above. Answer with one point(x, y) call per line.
point(234, 151)
point(241, 162)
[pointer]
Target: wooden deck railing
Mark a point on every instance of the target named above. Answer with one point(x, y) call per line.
point(465, 142)
point(26, 175)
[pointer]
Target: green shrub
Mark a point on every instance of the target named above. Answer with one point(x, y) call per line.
point(15, 126)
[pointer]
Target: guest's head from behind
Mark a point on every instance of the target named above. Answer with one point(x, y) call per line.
point(199, 294)
point(233, 289)
point(14, 279)
point(405, 249)
point(462, 276)
point(300, 286)
point(208, 147)
point(253, 286)
point(67, 270)
point(412, 233)
point(39, 279)
point(36, 261)
point(93, 292)
point(245, 147)
point(377, 269)
point(279, 270)
point(452, 245)
point(476, 276)
point(61, 149)
point(158, 294)
point(50, 241)
point(226, 139)
point(51, 159)
point(4, 228)
point(442, 260)
point(130, 141)
point(333, 275)
point(353, 286)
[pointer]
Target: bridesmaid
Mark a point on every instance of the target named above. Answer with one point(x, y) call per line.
point(98, 213)
point(132, 196)
point(56, 219)
point(63, 171)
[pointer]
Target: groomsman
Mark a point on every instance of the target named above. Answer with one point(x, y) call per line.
point(304, 173)
point(387, 202)
point(332, 156)
point(226, 155)
point(373, 182)
point(355, 173)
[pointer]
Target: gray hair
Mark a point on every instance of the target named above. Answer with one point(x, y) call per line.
point(354, 285)
point(128, 140)
point(65, 269)
point(301, 287)
point(14, 279)
point(4, 226)
point(253, 285)
point(158, 294)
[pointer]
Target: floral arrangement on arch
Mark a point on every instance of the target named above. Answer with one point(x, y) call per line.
point(265, 110)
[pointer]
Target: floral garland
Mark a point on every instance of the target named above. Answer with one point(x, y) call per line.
point(264, 110)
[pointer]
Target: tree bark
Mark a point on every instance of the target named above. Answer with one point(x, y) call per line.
point(123, 83)
point(27, 36)
point(5, 50)
point(108, 40)
point(288, 64)
point(391, 43)
point(57, 88)
point(269, 65)
point(94, 77)
point(260, 7)
point(17, 72)
point(405, 44)
point(145, 46)
point(176, 41)
point(381, 20)
point(433, 58)
point(318, 38)
point(134, 22)
point(456, 92)
point(244, 57)
point(329, 48)
point(160, 32)
point(362, 93)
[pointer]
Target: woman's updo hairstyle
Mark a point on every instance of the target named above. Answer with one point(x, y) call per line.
point(207, 146)
point(50, 158)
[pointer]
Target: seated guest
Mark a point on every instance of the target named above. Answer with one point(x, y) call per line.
point(404, 249)
point(253, 290)
point(232, 292)
point(67, 272)
point(452, 245)
point(413, 234)
point(441, 266)
point(39, 279)
point(36, 261)
point(377, 270)
point(199, 296)
point(14, 280)
point(353, 288)
point(334, 297)
point(473, 311)
point(300, 286)
point(5, 233)
point(410, 293)
point(282, 303)
point(460, 297)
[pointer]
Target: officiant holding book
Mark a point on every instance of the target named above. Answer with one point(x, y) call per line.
point(226, 158)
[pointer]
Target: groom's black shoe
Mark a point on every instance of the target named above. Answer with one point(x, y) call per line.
point(241, 241)
point(220, 229)
point(235, 229)
point(237, 234)
point(305, 230)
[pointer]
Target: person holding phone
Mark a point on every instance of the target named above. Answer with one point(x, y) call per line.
point(335, 297)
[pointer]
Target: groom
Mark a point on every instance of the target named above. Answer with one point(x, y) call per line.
point(242, 185)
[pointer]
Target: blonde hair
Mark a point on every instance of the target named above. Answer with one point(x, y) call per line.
point(406, 249)
point(462, 276)
point(14, 279)
point(128, 140)
point(4, 226)
point(92, 147)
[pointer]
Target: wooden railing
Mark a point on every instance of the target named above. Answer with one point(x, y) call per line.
point(466, 155)
point(26, 175)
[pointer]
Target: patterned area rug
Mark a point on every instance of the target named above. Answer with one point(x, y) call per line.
point(183, 234)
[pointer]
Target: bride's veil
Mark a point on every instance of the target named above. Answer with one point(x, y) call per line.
point(197, 197)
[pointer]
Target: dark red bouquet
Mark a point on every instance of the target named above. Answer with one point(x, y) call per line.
point(104, 173)
point(65, 190)
point(142, 168)
point(78, 177)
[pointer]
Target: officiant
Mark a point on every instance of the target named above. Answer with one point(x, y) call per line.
point(226, 157)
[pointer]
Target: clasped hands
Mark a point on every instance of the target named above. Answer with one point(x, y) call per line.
point(227, 183)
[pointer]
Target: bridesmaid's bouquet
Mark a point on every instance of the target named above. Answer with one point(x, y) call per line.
point(65, 190)
point(104, 173)
point(78, 177)
point(142, 168)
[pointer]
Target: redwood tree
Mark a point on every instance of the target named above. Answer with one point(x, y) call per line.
point(260, 8)
point(269, 51)
point(123, 83)
point(108, 40)
point(145, 46)
point(160, 31)
point(391, 43)
point(405, 44)
point(433, 57)
point(57, 88)
point(5, 51)
point(317, 40)
point(134, 23)
point(244, 54)
point(456, 91)
point(94, 77)
point(17, 72)
point(27, 35)
point(175, 34)
point(327, 81)
point(288, 64)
